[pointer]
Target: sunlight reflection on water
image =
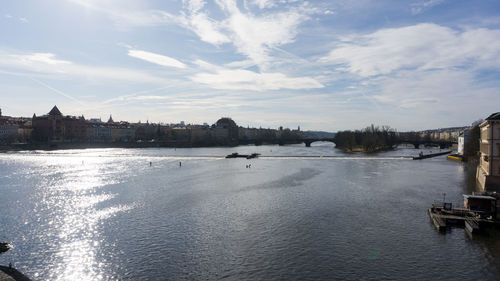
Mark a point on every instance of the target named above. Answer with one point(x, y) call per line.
point(72, 190)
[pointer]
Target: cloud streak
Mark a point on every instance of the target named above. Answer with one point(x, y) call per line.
point(419, 7)
point(240, 79)
point(47, 63)
point(156, 58)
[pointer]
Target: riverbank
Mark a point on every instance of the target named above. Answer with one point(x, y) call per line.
point(364, 150)
point(84, 145)
point(137, 144)
point(11, 274)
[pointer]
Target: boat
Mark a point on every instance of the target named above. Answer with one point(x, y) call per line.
point(4, 247)
point(253, 155)
point(237, 155)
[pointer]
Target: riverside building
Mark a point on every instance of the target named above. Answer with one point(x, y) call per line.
point(488, 170)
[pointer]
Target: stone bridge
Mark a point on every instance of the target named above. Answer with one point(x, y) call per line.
point(308, 141)
point(441, 143)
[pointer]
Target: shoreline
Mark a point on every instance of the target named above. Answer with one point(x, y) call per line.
point(86, 145)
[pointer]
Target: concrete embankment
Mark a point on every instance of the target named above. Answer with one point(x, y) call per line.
point(11, 274)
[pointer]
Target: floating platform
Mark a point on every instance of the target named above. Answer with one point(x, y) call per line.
point(442, 218)
point(472, 225)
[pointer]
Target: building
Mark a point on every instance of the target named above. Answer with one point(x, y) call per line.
point(8, 131)
point(226, 131)
point(55, 127)
point(99, 133)
point(200, 134)
point(464, 138)
point(488, 170)
point(122, 132)
point(24, 131)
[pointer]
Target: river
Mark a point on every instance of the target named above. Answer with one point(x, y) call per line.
point(296, 213)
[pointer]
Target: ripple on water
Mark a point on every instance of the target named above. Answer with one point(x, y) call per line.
point(108, 214)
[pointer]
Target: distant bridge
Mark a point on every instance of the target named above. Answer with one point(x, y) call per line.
point(441, 143)
point(308, 141)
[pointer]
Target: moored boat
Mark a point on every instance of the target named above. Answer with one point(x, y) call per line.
point(4, 247)
point(253, 155)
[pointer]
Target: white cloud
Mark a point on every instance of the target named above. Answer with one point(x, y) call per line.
point(194, 5)
point(207, 66)
point(45, 58)
point(434, 98)
point(227, 79)
point(240, 64)
point(419, 7)
point(127, 14)
point(207, 29)
point(47, 63)
point(156, 58)
point(422, 46)
point(263, 4)
point(253, 36)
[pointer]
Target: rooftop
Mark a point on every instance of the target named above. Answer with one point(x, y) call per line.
point(55, 111)
point(494, 116)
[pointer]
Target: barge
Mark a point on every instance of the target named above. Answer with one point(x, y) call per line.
point(422, 156)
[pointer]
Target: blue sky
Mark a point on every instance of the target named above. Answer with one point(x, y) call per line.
point(329, 65)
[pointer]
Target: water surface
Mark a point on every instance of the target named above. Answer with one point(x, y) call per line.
point(293, 215)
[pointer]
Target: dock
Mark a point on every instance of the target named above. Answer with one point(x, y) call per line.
point(460, 217)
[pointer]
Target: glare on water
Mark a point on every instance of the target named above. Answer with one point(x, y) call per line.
point(295, 213)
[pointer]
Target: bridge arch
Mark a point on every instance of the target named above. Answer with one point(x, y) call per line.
point(309, 141)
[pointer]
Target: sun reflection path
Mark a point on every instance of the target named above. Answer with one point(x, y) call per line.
point(74, 192)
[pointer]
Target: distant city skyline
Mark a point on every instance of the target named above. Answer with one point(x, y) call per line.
point(320, 65)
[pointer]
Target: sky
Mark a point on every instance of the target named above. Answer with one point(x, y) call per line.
point(321, 65)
